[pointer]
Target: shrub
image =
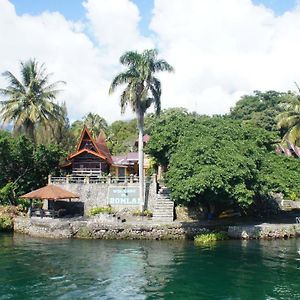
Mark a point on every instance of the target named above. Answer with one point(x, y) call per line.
point(293, 196)
point(6, 223)
point(210, 238)
point(144, 213)
point(100, 210)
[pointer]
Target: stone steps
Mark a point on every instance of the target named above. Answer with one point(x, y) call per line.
point(163, 210)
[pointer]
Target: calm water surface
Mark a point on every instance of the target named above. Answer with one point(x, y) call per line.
point(32, 268)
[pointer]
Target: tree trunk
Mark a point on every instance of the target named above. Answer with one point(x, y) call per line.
point(140, 121)
point(30, 131)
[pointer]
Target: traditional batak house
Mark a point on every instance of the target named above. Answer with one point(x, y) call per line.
point(92, 157)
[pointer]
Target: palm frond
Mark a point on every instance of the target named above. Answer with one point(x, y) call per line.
point(130, 58)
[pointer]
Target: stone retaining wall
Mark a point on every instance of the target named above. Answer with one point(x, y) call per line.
point(96, 194)
point(95, 229)
point(264, 231)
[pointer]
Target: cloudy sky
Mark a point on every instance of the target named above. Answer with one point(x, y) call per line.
point(220, 49)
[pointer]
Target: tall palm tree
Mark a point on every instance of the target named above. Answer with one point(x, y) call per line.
point(289, 119)
point(142, 90)
point(30, 100)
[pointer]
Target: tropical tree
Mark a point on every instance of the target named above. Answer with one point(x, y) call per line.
point(219, 163)
point(30, 100)
point(142, 90)
point(259, 109)
point(94, 122)
point(290, 118)
point(121, 136)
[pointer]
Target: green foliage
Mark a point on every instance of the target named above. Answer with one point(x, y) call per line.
point(100, 210)
point(293, 196)
point(7, 214)
point(122, 136)
point(93, 122)
point(220, 163)
point(142, 88)
point(144, 213)
point(30, 101)
point(290, 118)
point(6, 223)
point(165, 131)
point(7, 194)
point(24, 166)
point(210, 238)
point(260, 109)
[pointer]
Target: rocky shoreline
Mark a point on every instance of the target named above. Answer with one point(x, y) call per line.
point(264, 231)
point(95, 228)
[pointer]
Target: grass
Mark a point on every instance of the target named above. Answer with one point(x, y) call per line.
point(210, 238)
point(100, 210)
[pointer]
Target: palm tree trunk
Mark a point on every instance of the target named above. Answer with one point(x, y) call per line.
point(30, 131)
point(140, 121)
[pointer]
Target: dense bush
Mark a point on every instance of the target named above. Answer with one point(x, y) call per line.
point(6, 223)
point(221, 163)
point(24, 166)
point(7, 214)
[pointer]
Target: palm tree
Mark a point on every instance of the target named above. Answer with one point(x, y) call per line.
point(141, 91)
point(93, 122)
point(29, 101)
point(289, 120)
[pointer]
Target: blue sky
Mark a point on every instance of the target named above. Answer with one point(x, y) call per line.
point(74, 10)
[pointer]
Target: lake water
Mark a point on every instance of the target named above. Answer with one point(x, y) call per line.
point(32, 268)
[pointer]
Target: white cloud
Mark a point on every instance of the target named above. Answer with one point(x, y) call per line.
point(222, 49)
point(70, 54)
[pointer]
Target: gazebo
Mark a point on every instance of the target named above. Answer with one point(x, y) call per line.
point(49, 192)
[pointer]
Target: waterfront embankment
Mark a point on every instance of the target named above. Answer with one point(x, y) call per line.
point(95, 228)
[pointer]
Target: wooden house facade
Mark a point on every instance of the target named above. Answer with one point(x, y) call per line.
point(93, 157)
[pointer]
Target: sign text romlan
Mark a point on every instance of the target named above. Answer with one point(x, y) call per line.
point(123, 195)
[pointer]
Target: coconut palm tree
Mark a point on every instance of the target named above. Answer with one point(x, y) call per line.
point(289, 119)
point(30, 100)
point(142, 90)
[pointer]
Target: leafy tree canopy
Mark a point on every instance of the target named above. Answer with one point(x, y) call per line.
point(219, 162)
point(24, 166)
point(260, 109)
point(121, 136)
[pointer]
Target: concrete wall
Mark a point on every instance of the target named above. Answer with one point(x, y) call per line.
point(96, 194)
